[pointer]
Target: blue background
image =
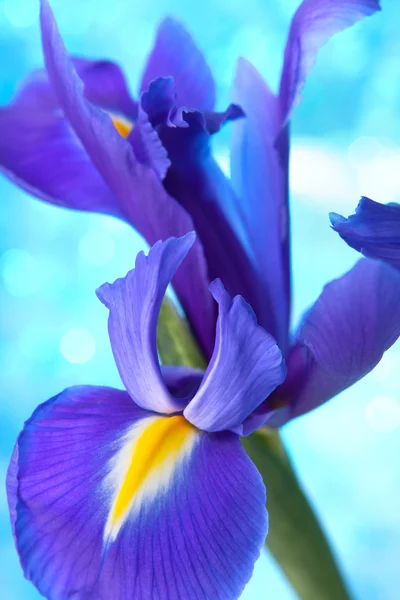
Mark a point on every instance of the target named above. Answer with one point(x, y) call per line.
point(345, 143)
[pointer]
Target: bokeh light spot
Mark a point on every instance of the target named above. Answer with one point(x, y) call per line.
point(97, 247)
point(383, 414)
point(362, 150)
point(22, 273)
point(312, 167)
point(77, 345)
point(22, 13)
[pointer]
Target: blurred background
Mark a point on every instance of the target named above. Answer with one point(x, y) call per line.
point(346, 136)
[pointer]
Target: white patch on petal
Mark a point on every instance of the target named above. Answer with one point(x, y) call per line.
point(130, 488)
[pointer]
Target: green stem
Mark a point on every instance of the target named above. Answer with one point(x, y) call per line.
point(295, 537)
point(175, 342)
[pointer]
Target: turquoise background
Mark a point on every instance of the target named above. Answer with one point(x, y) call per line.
point(345, 143)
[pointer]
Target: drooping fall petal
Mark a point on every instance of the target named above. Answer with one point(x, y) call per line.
point(344, 335)
point(113, 500)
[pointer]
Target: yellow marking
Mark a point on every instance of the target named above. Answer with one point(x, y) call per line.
point(161, 441)
point(123, 126)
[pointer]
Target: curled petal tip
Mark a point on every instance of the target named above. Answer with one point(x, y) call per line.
point(190, 237)
point(102, 293)
point(216, 288)
point(335, 218)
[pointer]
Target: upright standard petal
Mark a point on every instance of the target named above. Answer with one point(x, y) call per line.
point(138, 188)
point(259, 178)
point(246, 366)
point(314, 23)
point(175, 54)
point(344, 335)
point(134, 303)
point(374, 230)
point(199, 185)
point(161, 510)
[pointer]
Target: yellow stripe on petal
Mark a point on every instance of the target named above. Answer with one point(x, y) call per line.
point(146, 463)
point(123, 126)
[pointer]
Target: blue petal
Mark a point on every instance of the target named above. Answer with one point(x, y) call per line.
point(141, 195)
point(197, 182)
point(182, 381)
point(159, 101)
point(259, 178)
point(344, 335)
point(134, 303)
point(246, 366)
point(374, 230)
point(314, 23)
point(192, 530)
point(175, 54)
point(12, 488)
point(104, 85)
point(147, 145)
point(40, 152)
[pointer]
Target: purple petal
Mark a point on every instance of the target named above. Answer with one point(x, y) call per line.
point(194, 533)
point(147, 145)
point(140, 192)
point(40, 152)
point(374, 230)
point(214, 121)
point(344, 335)
point(134, 303)
point(245, 368)
point(276, 410)
point(259, 178)
point(197, 182)
point(181, 381)
point(159, 101)
point(314, 23)
point(104, 85)
point(61, 498)
point(12, 488)
point(175, 54)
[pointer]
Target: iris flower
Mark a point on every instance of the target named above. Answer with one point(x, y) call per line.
point(374, 230)
point(63, 141)
point(73, 136)
point(148, 493)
